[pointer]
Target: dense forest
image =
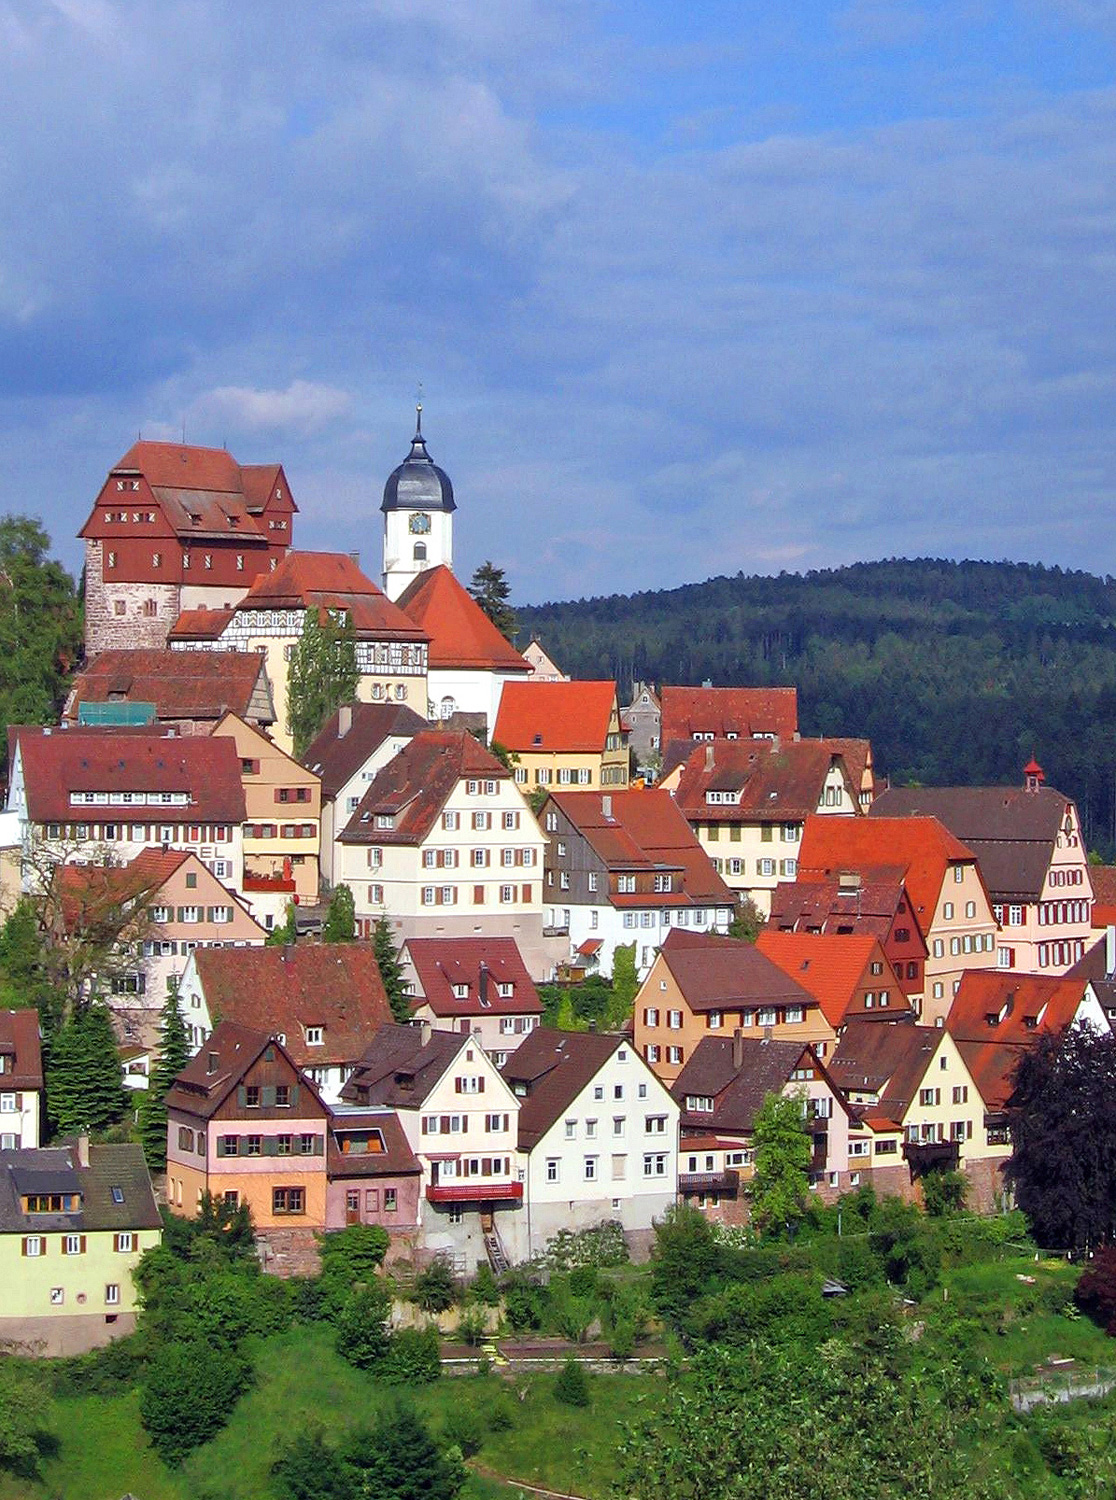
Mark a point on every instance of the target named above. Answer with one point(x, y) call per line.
point(957, 672)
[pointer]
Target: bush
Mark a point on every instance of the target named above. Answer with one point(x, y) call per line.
point(943, 1193)
point(362, 1337)
point(472, 1327)
point(435, 1289)
point(309, 1469)
point(1095, 1293)
point(600, 1245)
point(464, 1429)
point(102, 1372)
point(784, 1310)
point(413, 1357)
point(351, 1257)
point(189, 1391)
point(684, 1257)
point(526, 1300)
point(572, 1385)
point(483, 1288)
point(584, 1281)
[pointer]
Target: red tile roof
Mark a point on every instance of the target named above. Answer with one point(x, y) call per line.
point(283, 990)
point(992, 1067)
point(832, 967)
point(413, 788)
point(331, 580)
point(461, 634)
point(823, 904)
point(644, 830)
point(181, 684)
point(720, 711)
point(722, 973)
point(200, 625)
point(19, 1040)
point(395, 1160)
point(481, 963)
point(566, 717)
point(922, 846)
point(95, 893)
point(776, 783)
point(738, 1091)
point(336, 757)
point(1024, 1006)
point(554, 1067)
point(1104, 894)
point(58, 762)
point(889, 1060)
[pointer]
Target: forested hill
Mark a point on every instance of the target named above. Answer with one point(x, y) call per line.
point(957, 672)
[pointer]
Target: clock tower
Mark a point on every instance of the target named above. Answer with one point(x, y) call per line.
point(418, 512)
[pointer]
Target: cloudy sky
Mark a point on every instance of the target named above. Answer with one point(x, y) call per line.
point(690, 288)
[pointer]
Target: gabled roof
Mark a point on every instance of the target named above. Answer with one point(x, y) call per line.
point(889, 1060)
point(722, 973)
point(831, 966)
point(721, 711)
point(481, 964)
point(992, 1068)
point(776, 783)
point(554, 1067)
point(34, 1169)
point(330, 580)
point(19, 1040)
point(399, 1069)
point(857, 755)
point(991, 1006)
point(824, 903)
point(1103, 878)
point(923, 847)
point(93, 892)
point(415, 785)
point(461, 634)
point(738, 1091)
point(200, 625)
point(644, 830)
point(1012, 831)
point(228, 1052)
point(181, 684)
point(281, 991)
point(561, 717)
point(337, 756)
point(60, 761)
point(395, 1160)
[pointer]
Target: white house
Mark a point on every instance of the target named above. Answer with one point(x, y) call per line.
point(21, 1079)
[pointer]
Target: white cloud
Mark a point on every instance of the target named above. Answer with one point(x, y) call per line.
point(303, 408)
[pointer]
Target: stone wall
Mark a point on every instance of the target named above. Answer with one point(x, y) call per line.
point(105, 628)
point(75, 1333)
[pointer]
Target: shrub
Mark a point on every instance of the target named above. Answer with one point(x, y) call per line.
point(572, 1385)
point(684, 1257)
point(471, 1327)
point(464, 1429)
point(943, 1193)
point(350, 1257)
point(784, 1310)
point(101, 1372)
point(584, 1281)
point(600, 1245)
point(526, 1300)
point(362, 1337)
point(483, 1287)
point(622, 1339)
point(413, 1357)
point(1095, 1293)
point(309, 1469)
point(435, 1289)
point(189, 1391)
point(501, 1418)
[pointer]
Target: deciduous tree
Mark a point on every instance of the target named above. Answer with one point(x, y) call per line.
point(323, 674)
point(340, 922)
point(782, 1156)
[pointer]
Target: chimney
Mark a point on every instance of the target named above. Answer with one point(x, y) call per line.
point(709, 757)
point(426, 1031)
point(738, 1049)
point(344, 720)
point(482, 983)
point(354, 558)
point(1109, 951)
point(592, 1023)
point(606, 805)
point(83, 1150)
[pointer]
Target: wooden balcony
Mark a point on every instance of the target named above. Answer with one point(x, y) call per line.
point(709, 1182)
point(471, 1191)
point(928, 1156)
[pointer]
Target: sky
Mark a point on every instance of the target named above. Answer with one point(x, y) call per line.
point(690, 289)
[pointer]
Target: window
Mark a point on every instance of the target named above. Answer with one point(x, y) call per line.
point(947, 911)
point(928, 1097)
point(571, 1129)
point(674, 1055)
point(390, 1200)
point(961, 1094)
point(654, 1164)
point(715, 1020)
point(590, 1169)
point(124, 1243)
point(288, 1200)
point(674, 1020)
point(654, 1124)
point(651, 1016)
point(314, 1036)
point(112, 1294)
point(958, 874)
point(553, 1169)
point(590, 1130)
point(73, 1244)
point(34, 1244)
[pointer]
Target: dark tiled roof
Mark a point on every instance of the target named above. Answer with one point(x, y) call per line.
point(58, 1169)
point(482, 964)
point(461, 634)
point(413, 787)
point(336, 757)
point(722, 973)
point(889, 1060)
point(824, 904)
point(688, 711)
point(210, 1076)
point(19, 1040)
point(555, 1066)
point(776, 783)
point(181, 684)
point(738, 1092)
point(399, 1069)
point(395, 1160)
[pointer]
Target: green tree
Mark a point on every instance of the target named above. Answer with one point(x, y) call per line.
point(397, 1459)
point(24, 973)
point(391, 969)
point(189, 1390)
point(174, 1054)
point(572, 1385)
point(362, 1336)
point(340, 922)
point(84, 1087)
point(286, 932)
point(683, 1258)
point(748, 921)
point(782, 1160)
point(323, 674)
point(625, 986)
point(309, 1469)
point(435, 1288)
point(492, 591)
point(24, 1417)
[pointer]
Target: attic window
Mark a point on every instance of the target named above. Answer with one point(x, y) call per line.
point(505, 990)
point(461, 992)
point(384, 820)
point(315, 1036)
point(117, 1194)
point(537, 740)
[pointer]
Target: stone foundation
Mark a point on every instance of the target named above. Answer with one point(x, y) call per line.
point(76, 1333)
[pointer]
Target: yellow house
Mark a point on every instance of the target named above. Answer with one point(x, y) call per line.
point(74, 1221)
point(563, 734)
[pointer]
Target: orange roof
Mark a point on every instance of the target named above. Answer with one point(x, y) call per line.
point(994, 1006)
point(831, 966)
point(992, 1068)
point(200, 625)
point(721, 711)
point(461, 634)
point(569, 717)
point(179, 467)
point(925, 848)
point(330, 580)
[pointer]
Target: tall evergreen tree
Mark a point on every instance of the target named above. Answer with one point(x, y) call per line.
point(491, 590)
point(323, 674)
point(24, 975)
point(84, 1087)
point(340, 922)
point(174, 1054)
point(391, 970)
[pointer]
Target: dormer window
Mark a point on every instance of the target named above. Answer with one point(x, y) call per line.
point(461, 992)
point(505, 990)
point(384, 820)
point(315, 1036)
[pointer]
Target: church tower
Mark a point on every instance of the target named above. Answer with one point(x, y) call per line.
point(418, 512)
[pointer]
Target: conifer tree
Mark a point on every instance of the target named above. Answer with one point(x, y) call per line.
point(391, 970)
point(491, 590)
point(174, 1054)
point(340, 922)
point(323, 674)
point(84, 1087)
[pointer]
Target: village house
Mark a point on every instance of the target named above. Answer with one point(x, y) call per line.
point(541, 666)
point(178, 528)
point(696, 715)
point(1032, 858)
point(372, 1175)
point(354, 743)
point(700, 985)
point(187, 691)
point(390, 648)
point(21, 1079)
point(867, 901)
point(444, 843)
point(74, 1221)
point(624, 868)
point(641, 723)
point(598, 1134)
point(477, 986)
point(848, 975)
point(461, 1120)
point(563, 734)
point(323, 1001)
point(747, 802)
point(949, 898)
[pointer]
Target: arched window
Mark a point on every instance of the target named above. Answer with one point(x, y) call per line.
point(420, 552)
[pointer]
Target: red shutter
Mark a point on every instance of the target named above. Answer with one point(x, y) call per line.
point(481, 1086)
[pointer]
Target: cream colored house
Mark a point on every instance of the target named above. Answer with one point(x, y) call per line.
point(565, 736)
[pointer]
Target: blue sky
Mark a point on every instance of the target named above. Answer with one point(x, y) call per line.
point(690, 289)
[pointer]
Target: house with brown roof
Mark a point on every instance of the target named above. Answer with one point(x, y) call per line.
point(1029, 845)
point(721, 1090)
point(353, 744)
point(478, 986)
point(624, 868)
point(21, 1079)
point(747, 801)
point(391, 650)
point(444, 843)
point(187, 691)
point(598, 1136)
point(469, 660)
point(563, 734)
point(372, 1175)
point(866, 902)
point(943, 880)
point(850, 976)
point(324, 1001)
point(460, 1119)
point(703, 984)
point(175, 528)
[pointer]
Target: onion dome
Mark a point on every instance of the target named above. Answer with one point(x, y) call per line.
point(418, 483)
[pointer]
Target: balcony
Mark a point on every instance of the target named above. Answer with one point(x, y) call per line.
point(552, 932)
point(709, 1182)
point(475, 1192)
point(267, 884)
point(926, 1156)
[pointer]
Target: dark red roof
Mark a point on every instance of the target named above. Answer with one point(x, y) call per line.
point(284, 990)
point(350, 1127)
point(738, 1090)
point(825, 904)
point(721, 711)
point(181, 684)
point(19, 1040)
point(722, 973)
point(413, 788)
point(994, 1006)
point(554, 1067)
point(992, 1067)
point(200, 625)
point(461, 634)
point(889, 1060)
point(60, 761)
point(331, 580)
point(566, 717)
point(481, 964)
point(399, 1069)
point(336, 757)
point(228, 1052)
point(776, 783)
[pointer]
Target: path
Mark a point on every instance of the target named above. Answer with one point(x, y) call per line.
point(521, 1484)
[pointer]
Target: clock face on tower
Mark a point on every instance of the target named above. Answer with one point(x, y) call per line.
point(420, 523)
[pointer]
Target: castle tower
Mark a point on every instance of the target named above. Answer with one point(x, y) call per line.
point(418, 509)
